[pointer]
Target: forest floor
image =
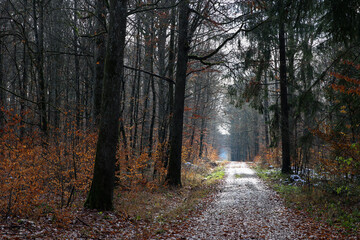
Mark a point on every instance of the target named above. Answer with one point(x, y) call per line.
point(242, 207)
point(246, 208)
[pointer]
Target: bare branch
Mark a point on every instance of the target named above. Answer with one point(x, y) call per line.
point(152, 74)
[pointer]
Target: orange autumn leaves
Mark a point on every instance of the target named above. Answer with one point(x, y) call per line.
point(341, 156)
point(352, 84)
point(341, 153)
point(50, 175)
point(40, 175)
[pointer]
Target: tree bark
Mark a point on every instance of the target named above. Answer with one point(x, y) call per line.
point(100, 57)
point(148, 66)
point(285, 134)
point(173, 177)
point(39, 39)
point(202, 136)
point(162, 131)
point(134, 102)
point(266, 111)
point(77, 67)
point(153, 115)
point(2, 93)
point(101, 193)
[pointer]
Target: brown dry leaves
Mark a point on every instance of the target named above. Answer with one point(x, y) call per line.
point(243, 208)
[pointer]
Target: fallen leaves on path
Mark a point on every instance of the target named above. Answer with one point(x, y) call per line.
point(246, 208)
point(243, 208)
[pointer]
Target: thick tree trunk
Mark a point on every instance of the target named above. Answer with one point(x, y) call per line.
point(101, 193)
point(285, 135)
point(2, 92)
point(171, 67)
point(173, 177)
point(100, 57)
point(39, 39)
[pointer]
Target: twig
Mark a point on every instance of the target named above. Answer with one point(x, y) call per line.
point(83, 222)
point(150, 73)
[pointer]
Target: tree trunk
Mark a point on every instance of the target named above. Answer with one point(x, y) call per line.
point(162, 103)
point(2, 92)
point(148, 66)
point(153, 115)
point(173, 177)
point(77, 67)
point(101, 193)
point(266, 111)
point(100, 57)
point(134, 101)
point(202, 136)
point(285, 135)
point(171, 66)
point(170, 69)
point(39, 39)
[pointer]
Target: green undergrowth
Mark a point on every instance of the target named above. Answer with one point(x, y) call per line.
point(168, 204)
point(217, 174)
point(320, 201)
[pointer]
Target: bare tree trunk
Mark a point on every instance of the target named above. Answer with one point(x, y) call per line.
point(148, 66)
point(134, 101)
point(39, 40)
point(202, 136)
point(153, 115)
point(162, 131)
point(171, 66)
point(2, 93)
point(102, 188)
point(77, 67)
point(144, 128)
point(285, 134)
point(100, 57)
point(266, 111)
point(173, 177)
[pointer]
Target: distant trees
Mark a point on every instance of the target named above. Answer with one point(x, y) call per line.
point(151, 86)
point(292, 58)
point(246, 133)
point(69, 69)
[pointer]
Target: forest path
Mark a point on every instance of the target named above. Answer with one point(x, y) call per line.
point(245, 208)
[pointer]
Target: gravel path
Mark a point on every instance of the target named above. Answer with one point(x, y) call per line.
point(246, 208)
point(243, 208)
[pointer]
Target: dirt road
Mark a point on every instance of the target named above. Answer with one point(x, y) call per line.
point(243, 208)
point(246, 208)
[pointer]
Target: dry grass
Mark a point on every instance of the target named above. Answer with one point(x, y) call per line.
point(164, 204)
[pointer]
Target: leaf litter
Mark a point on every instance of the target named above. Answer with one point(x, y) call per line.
point(242, 208)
